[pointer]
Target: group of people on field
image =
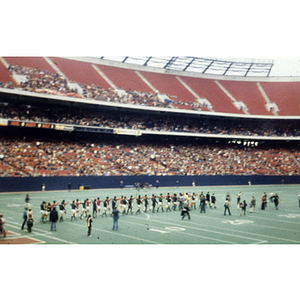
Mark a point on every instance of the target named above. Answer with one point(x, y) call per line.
point(112, 206)
point(242, 204)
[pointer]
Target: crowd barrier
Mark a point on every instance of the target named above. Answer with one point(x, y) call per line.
point(27, 184)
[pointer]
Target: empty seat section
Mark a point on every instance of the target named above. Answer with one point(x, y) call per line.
point(286, 95)
point(208, 89)
point(31, 62)
point(248, 93)
point(169, 85)
point(125, 78)
point(79, 72)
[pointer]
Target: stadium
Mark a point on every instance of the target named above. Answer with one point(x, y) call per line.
point(88, 128)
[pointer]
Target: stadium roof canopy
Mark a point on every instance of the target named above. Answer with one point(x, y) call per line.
point(201, 65)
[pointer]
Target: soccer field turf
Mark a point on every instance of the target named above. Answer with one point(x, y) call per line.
point(270, 226)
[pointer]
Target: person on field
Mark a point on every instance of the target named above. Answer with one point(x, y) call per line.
point(243, 206)
point(98, 202)
point(168, 202)
point(252, 204)
point(77, 203)
point(48, 209)
point(213, 200)
point(94, 208)
point(139, 203)
point(84, 211)
point(174, 201)
point(24, 218)
point(263, 201)
point(160, 203)
point(185, 210)
point(115, 214)
point(27, 198)
point(62, 210)
point(73, 209)
point(53, 218)
point(238, 200)
point(202, 202)
point(2, 230)
point(105, 204)
point(89, 221)
point(276, 201)
point(146, 202)
point(29, 220)
point(193, 201)
point(130, 203)
point(154, 202)
point(207, 200)
point(227, 205)
point(43, 211)
point(123, 203)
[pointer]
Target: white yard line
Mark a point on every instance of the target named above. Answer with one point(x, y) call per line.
point(117, 233)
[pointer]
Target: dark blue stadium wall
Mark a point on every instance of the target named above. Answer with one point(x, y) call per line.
point(18, 184)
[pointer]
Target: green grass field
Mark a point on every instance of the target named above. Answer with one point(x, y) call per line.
point(271, 226)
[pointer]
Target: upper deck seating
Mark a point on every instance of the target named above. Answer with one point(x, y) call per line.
point(286, 95)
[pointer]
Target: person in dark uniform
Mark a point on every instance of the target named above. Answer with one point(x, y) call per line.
point(174, 200)
point(114, 203)
point(95, 208)
point(89, 221)
point(24, 218)
point(153, 200)
point(43, 211)
point(53, 218)
point(73, 208)
point(130, 202)
point(123, 203)
point(61, 210)
point(202, 202)
point(146, 202)
point(138, 202)
point(213, 200)
point(115, 214)
point(228, 197)
point(276, 201)
point(208, 199)
point(27, 198)
point(243, 206)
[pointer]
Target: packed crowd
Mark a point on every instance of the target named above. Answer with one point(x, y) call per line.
point(63, 158)
point(42, 81)
point(143, 122)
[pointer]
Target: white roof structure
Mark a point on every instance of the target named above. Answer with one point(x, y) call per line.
point(211, 66)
